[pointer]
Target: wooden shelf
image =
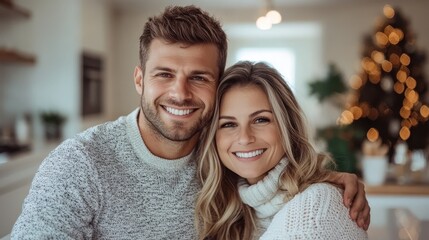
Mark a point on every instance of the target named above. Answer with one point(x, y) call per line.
point(8, 8)
point(14, 56)
point(395, 189)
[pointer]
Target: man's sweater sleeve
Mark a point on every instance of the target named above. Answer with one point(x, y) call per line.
point(316, 213)
point(63, 199)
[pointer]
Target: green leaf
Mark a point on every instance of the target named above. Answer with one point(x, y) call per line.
point(332, 84)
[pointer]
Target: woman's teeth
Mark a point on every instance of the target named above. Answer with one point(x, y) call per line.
point(249, 154)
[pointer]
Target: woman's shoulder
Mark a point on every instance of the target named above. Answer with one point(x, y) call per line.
point(317, 212)
point(318, 197)
point(321, 190)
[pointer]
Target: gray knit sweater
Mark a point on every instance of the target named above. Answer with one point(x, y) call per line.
point(105, 184)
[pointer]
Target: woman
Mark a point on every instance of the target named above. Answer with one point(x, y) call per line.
point(261, 176)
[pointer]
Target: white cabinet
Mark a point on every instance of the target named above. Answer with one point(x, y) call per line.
point(399, 212)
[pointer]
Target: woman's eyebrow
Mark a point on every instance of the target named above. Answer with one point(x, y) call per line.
point(260, 111)
point(251, 115)
point(227, 117)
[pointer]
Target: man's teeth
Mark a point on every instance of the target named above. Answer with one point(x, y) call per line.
point(249, 154)
point(178, 112)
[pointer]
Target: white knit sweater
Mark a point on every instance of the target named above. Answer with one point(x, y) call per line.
point(316, 213)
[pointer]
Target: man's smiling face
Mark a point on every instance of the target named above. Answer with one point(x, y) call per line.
point(178, 88)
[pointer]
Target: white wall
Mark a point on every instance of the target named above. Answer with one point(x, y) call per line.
point(96, 38)
point(127, 28)
point(52, 33)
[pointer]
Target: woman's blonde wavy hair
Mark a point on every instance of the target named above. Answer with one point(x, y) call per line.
point(220, 213)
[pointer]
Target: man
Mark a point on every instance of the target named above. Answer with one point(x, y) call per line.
point(135, 178)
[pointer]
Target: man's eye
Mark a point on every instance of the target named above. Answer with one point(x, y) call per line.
point(198, 78)
point(227, 125)
point(262, 120)
point(164, 75)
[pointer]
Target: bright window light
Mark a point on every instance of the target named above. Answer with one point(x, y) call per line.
point(281, 59)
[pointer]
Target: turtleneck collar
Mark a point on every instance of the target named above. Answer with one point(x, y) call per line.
point(264, 196)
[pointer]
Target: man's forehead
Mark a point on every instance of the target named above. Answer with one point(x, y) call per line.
point(193, 57)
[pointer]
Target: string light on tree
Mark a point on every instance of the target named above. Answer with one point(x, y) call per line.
point(390, 92)
point(372, 135)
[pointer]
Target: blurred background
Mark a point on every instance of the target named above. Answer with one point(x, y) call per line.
point(358, 67)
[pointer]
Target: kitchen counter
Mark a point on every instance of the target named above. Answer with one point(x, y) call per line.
point(396, 189)
point(398, 224)
point(398, 211)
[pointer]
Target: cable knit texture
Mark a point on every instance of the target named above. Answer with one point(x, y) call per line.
point(105, 184)
point(316, 213)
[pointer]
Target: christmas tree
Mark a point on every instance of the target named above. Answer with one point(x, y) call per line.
point(389, 99)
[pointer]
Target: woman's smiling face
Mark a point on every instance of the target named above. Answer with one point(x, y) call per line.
point(248, 139)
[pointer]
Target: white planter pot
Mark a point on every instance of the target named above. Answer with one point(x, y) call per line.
point(374, 169)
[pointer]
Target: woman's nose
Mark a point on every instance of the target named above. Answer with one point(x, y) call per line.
point(246, 136)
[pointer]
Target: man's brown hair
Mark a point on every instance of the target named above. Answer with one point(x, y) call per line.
point(188, 25)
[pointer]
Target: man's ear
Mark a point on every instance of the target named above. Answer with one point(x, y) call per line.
point(138, 80)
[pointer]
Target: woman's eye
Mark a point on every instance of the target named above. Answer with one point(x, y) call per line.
point(262, 120)
point(227, 125)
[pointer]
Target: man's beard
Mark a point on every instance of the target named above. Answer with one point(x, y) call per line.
point(177, 131)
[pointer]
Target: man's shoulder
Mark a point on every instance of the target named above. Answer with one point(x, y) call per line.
point(92, 143)
point(104, 131)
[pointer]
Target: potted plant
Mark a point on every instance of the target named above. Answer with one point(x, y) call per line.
point(52, 122)
point(338, 138)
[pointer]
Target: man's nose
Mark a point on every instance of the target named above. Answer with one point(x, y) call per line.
point(180, 90)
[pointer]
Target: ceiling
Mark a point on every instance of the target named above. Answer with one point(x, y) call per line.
point(219, 4)
point(236, 5)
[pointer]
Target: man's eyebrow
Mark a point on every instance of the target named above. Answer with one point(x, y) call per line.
point(162, 69)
